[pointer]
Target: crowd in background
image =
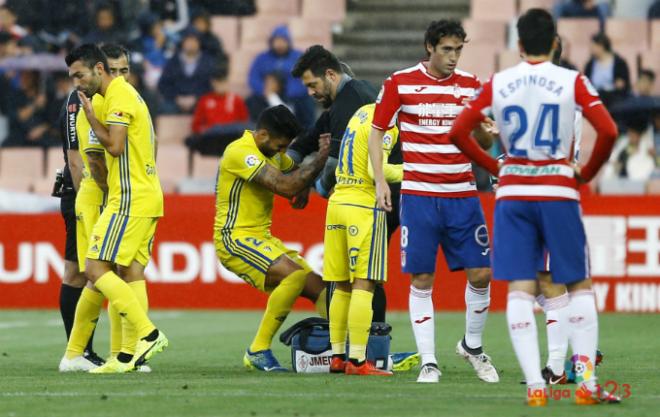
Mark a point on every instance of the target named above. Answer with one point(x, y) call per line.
point(179, 66)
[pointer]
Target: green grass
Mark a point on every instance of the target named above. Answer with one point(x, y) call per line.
point(201, 373)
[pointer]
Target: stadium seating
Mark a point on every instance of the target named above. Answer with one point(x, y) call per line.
point(507, 58)
point(173, 165)
point(204, 166)
point(332, 10)
point(627, 34)
point(531, 4)
point(492, 32)
point(655, 34)
point(578, 31)
point(239, 67)
point(278, 7)
point(20, 168)
point(306, 32)
point(227, 29)
point(478, 59)
point(651, 60)
point(257, 29)
point(173, 129)
point(501, 10)
point(653, 186)
point(54, 161)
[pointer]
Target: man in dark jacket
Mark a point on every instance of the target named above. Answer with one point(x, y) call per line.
point(607, 71)
point(280, 58)
point(186, 76)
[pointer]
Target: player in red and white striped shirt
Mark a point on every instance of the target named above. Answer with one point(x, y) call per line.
point(439, 203)
point(534, 104)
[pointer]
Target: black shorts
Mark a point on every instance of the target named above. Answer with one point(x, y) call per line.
point(393, 216)
point(68, 210)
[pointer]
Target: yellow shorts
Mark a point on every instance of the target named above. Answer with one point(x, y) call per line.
point(122, 239)
point(86, 217)
point(355, 243)
point(250, 254)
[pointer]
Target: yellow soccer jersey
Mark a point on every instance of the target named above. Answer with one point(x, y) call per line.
point(241, 204)
point(354, 174)
point(89, 192)
point(133, 183)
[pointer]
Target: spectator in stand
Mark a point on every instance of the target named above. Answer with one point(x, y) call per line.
point(645, 83)
point(633, 156)
point(654, 10)
point(186, 76)
point(150, 96)
point(156, 47)
point(220, 117)
point(274, 87)
point(8, 23)
point(201, 22)
point(607, 71)
point(28, 114)
point(226, 7)
point(641, 105)
point(106, 29)
point(281, 57)
point(174, 14)
point(584, 9)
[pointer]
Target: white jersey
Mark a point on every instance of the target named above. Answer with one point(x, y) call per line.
point(537, 108)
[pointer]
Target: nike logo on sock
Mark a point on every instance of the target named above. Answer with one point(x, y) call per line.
point(423, 319)
point(550, 321)
point(481, 311)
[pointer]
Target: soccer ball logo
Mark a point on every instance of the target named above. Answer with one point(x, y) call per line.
point(584, 369)
point(251, 160)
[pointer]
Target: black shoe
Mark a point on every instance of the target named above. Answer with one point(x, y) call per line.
point(552, 379)
point(91, 356)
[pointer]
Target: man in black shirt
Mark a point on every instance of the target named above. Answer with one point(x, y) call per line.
point(73, 280)
point(330, 84)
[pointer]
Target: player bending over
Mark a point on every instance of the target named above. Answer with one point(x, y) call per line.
point(253, 169)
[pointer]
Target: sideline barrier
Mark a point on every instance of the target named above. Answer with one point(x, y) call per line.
point(624, 239)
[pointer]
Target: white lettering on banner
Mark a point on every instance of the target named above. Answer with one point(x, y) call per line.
point(607, 245)
point(33, 259)
point(650, 246)
point(46, 257)
point(637, 298)
point(168, 252)
point(600, 292)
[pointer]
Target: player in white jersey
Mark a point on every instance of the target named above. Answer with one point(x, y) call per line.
point(537, 199)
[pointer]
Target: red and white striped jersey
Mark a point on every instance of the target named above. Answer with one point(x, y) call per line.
point(426, 107)
point(535, 108)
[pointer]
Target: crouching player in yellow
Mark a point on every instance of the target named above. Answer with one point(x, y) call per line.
point(356, 244)
point(253, 169)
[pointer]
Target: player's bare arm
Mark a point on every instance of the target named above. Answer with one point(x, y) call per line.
point(75, 167)
point(98, 169)
point(288, 185)
point(383, 193)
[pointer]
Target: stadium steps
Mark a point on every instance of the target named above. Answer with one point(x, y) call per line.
point(376, 31)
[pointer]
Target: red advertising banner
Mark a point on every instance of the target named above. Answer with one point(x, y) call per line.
point(623, 232)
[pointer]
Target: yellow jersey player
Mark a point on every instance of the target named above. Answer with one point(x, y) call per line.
point(123, 234)
point(356, 244)
point(252, 170)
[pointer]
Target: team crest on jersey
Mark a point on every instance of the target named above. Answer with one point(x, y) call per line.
point(252, 160)
point(481, 235)
point(457, 90)
point(387, 140)
point(380, 95)
point(363, 116)
point(353, 230)
point(93, 139)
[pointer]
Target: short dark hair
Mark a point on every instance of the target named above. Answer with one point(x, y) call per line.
point(602, 40)
point(439, 29)
point(115, 51)
point(645, 72)
point(279, 122)
point(219, 73)
point(536, 31)
point(89, 54)
point(318, 60)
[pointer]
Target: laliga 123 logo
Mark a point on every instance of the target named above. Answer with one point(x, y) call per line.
point(584, 368)
point(251, 160)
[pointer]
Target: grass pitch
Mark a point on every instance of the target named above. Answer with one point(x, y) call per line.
point(201, 373)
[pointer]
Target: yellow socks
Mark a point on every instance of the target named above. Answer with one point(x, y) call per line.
point(84, 322)
point(115, 330)
point(339, 304)
point(129, 337)
point(359, 323)
point(321, 304)
point(124, 300)
point(279, 305)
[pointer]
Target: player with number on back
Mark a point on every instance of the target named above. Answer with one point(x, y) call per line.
point(439, 203)
point(534, 104)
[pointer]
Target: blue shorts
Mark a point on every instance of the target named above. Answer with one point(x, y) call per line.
point(456, 224)
point(523, 231)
